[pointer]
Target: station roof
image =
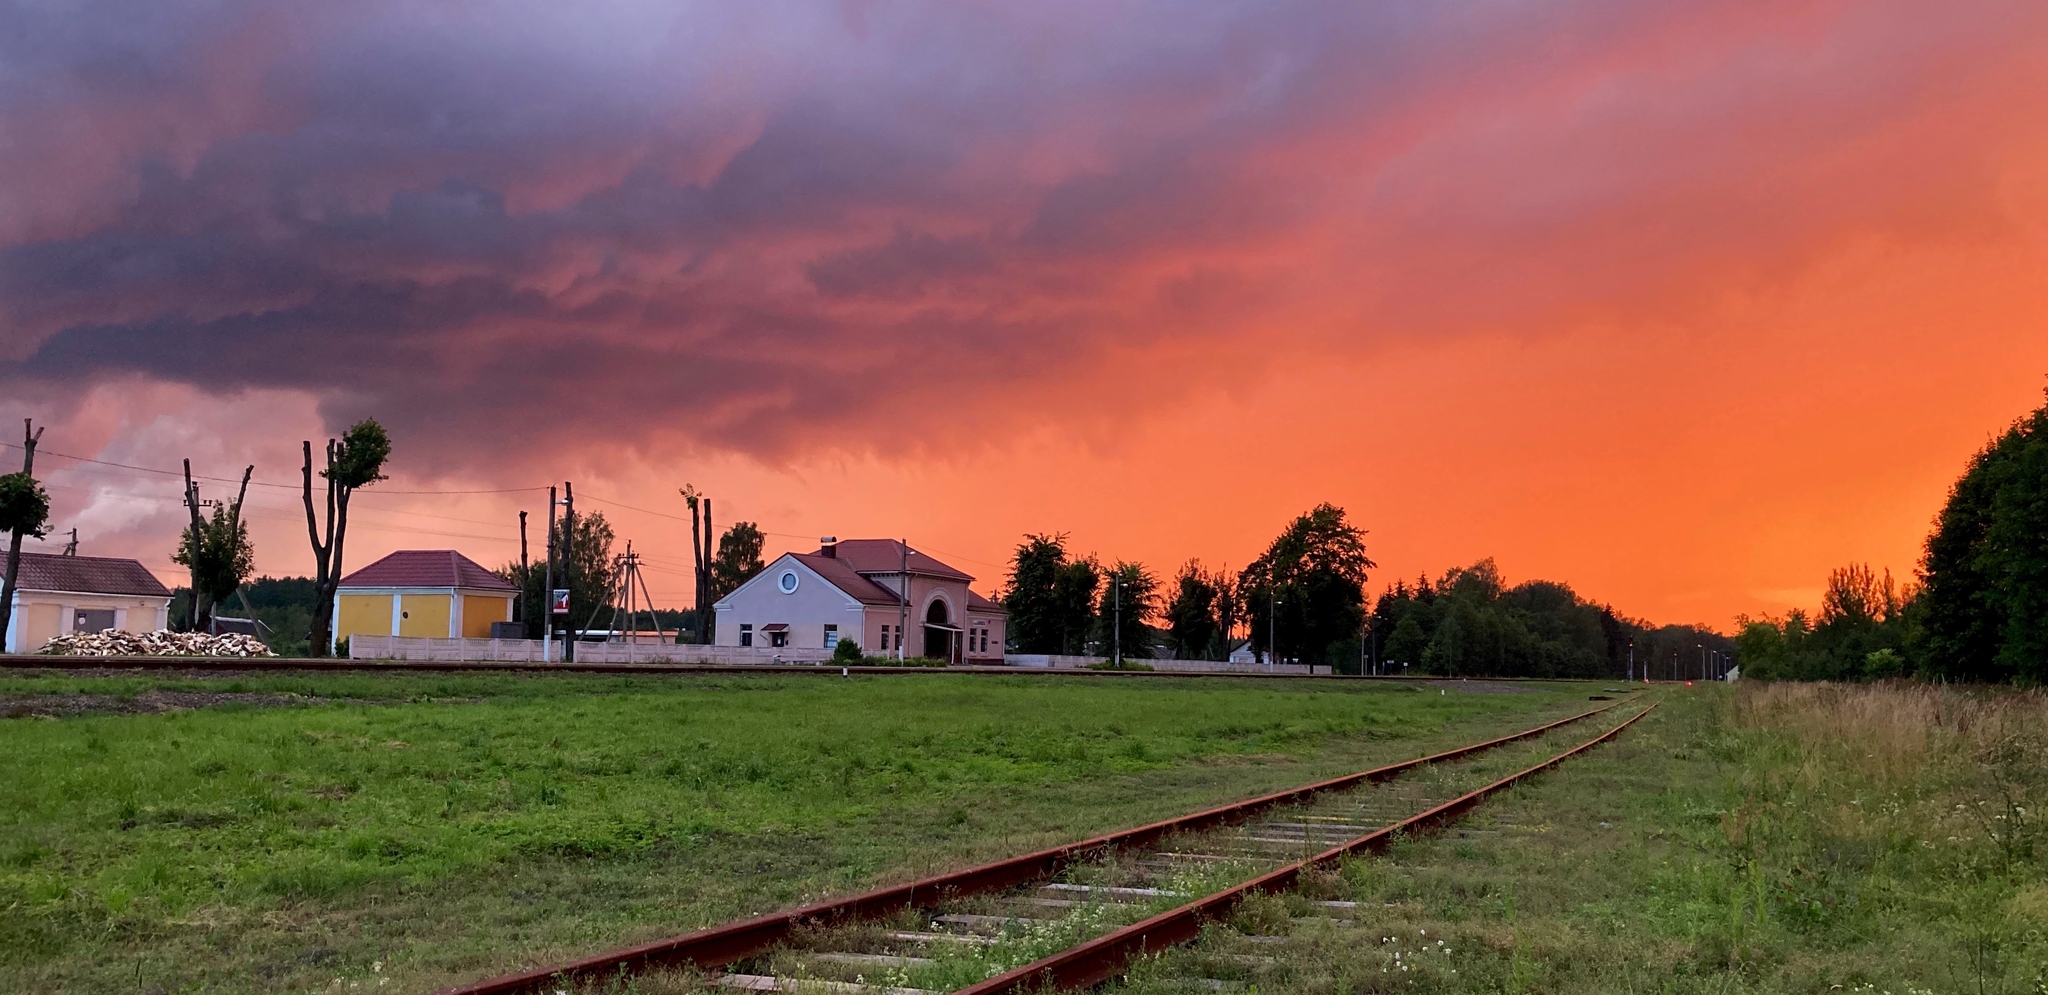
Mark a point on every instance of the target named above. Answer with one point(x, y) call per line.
point(427, 568)
point(86, 575)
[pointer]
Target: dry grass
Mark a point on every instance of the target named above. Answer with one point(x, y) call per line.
point(1896, 733)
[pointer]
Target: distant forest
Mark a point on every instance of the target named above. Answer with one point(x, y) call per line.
point(1471, 623)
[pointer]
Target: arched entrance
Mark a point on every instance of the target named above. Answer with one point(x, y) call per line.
point(939, 632)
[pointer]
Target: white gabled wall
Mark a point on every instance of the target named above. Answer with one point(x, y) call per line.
point(815, 603)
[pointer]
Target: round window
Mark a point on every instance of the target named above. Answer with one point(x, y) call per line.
point(787, 582)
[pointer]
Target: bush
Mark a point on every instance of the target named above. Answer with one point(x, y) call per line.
point(1111, 665)
point(847, 651)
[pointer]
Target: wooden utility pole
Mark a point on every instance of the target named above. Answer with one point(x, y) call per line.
point(30, 435)
point(524, 572)
point(198, 541)
point(568, 559)
point(547, 594)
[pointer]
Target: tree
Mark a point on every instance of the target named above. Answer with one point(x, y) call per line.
point(1985, 571)
point(738, 559)
point(1191, 618)
point(355, 460)
point(1028, 597)
point(1050, 597)
point(1316, 571)
point(1130, 598)
point(217, 551)
point(24, 511)
point(1073, 603)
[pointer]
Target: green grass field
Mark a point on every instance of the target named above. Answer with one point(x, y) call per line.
point(404, 832)
point(1772, 839)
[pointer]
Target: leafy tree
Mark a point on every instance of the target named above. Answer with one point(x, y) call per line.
point(1050, 597)
point(1130, 597)
point(24, 505)
point(738, 559)
point(1192, 616)
point(1986, 566)
point(1028, 597)
point(354, 461)
point(1316, 570)
point(221, 559)
point(1073, 603)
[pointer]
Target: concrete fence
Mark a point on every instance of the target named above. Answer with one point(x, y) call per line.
point(423, 648)
point(427, 649)
point(1058, 662)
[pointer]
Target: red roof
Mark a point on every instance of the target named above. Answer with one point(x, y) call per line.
point(885, 556)
point(85, 575)
point(427, 568)
point(843, 577)
point(976, 602)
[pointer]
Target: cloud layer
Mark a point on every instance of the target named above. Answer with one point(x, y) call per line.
point(777, 228)
point(901, 236)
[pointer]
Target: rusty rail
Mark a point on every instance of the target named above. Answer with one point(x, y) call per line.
point(720, 945)
point(1106, 956)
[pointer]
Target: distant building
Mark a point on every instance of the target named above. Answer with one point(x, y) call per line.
point(60, 594)
point(422, 592)
point(875, 591)
point(1244, 653)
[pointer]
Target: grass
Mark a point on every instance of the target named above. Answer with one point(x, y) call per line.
point(1772, 838)
point(404, 832)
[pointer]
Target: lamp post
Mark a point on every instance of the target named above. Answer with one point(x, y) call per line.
point(1116, 594)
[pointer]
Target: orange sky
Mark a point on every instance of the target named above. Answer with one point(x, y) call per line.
point(1682, 307)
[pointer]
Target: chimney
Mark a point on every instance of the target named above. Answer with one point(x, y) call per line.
point(829, 545)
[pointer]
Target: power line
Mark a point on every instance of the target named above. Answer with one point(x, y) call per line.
point(260, 483)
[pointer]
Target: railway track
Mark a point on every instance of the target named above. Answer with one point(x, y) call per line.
point(1075, 915)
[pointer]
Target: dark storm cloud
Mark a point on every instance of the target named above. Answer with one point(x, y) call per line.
point(770, 227)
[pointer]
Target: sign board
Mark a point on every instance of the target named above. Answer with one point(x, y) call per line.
point(559, 604)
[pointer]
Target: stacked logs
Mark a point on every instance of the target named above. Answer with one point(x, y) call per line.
point(114, 642)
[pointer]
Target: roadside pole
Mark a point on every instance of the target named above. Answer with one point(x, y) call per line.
point(547, 592)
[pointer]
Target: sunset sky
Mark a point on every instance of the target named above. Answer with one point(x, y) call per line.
point(1680, 303)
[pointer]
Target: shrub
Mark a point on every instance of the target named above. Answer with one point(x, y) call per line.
point(847, 651)
point(1111, 665)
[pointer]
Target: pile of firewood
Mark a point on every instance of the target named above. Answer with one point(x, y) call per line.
point(114, 642)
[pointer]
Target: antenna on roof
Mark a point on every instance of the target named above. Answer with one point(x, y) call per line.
point(71, 548)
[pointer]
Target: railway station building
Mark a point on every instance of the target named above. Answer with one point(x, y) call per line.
point(880, 592)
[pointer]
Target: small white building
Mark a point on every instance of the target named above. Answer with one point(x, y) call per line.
point(876, 591)
point(58, 594)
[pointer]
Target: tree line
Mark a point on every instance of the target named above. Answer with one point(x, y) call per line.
point(1977, 609)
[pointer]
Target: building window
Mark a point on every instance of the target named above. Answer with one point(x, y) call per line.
point(779, 637)
point(885, 639)
point(831, 636)
point(746, 635)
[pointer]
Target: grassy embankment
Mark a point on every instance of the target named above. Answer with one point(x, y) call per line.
point(1775, 838)
point(402, 832)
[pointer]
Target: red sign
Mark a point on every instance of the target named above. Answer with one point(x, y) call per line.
point(559, 604)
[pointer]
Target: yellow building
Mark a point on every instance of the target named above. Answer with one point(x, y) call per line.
point(422, 592)
point(60, 594)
